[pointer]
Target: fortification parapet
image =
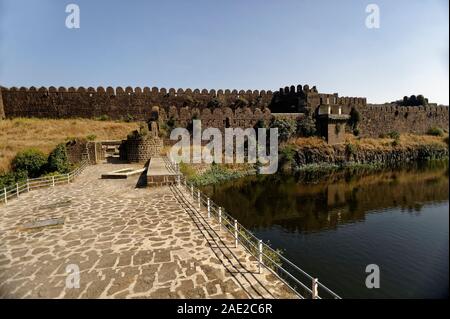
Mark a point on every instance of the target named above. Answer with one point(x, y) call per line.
point(116, 102)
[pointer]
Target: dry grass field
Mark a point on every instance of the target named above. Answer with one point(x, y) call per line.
point(44, 134)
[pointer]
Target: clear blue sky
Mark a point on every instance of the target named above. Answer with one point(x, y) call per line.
point(242, 44)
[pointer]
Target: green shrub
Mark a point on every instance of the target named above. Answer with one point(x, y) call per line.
point(287, 153)
point(350, 149)
point(187, 170)
point(215, 174)
point(286, 128)
point(91, 137)
point(129, 118)
point(306, 127)
point(241, 102)
point(31, 161)
point(435, 131)
point(141, 133)
point(190, 101)
point(58, 160)
point(214, 103)
point(103, 117)
point(394, 134)
point(11, 178)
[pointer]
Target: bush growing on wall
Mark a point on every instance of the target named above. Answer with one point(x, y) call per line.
point(260, 124)
point(139, 134)
point(190, 101)
point(306, 127)
point(355, 118)
point(286, 128)
point(413, 100)
point(31, 161)
point(241, 102)
point(166, 127)
point(215, 103)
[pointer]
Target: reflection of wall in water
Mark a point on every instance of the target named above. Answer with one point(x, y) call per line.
point(309, 207)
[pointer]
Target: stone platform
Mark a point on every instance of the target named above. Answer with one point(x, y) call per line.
point(127, 242)
point(160, 173)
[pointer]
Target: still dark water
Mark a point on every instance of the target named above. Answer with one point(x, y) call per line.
point(334, 227)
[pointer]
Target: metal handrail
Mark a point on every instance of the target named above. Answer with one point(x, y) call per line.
point(45, 181)
point(261, 251)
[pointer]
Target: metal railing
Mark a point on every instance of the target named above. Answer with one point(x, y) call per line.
point(299, 281)
point(14, 191)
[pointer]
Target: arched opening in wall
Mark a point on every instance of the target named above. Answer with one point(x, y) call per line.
point(396, 113)
point(227, 122)
point(406, 115)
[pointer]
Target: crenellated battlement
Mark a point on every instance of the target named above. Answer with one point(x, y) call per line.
point(120, 102)
point(303, 99)
point(154, 91)
point(218, 108)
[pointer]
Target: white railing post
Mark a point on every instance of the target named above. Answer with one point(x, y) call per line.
point(17, 189)
point(6, 196)
point(235, 233)
point(260, 255)
point(178, 180)
point(220, 218)
point(199, 200)
point(315, 288)
point(192, 191)
point(28, 185)
point(209, 208)
point(53, 181)
point(68, 180)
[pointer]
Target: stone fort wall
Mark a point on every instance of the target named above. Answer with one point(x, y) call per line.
point(184, 105)
point(382, 119)
point(116, 103)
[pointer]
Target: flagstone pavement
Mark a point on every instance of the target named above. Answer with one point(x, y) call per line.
point(126, 241)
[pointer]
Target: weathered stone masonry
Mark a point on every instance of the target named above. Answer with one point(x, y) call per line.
point(382, 119)
point(184, 105)
point(116, 103)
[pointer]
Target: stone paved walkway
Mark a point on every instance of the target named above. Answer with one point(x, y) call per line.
point(128, 242)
